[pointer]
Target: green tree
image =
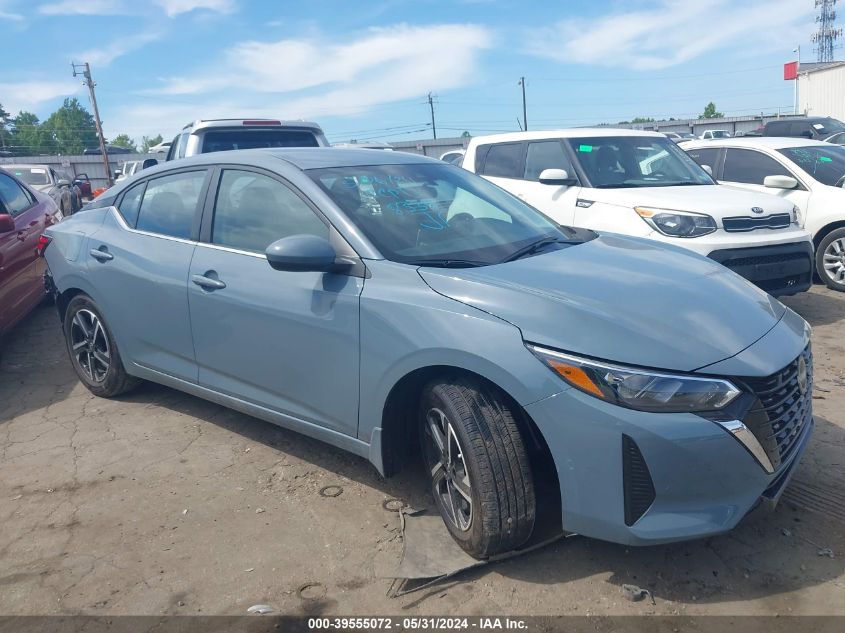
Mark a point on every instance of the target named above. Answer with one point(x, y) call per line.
point(148, 141)
point(27, 136)
point(123, 140)
point(642, 119)
point(710, 112)
point(70, 129)
point(5, 136)
point(465, 134)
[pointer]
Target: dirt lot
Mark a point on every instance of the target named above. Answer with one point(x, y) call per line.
point(161, 503)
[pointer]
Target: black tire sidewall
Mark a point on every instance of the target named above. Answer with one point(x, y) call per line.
point(116, 375)
point(474, 538)
point(820, 271)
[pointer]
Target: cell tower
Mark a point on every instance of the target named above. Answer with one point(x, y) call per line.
point(825, 37)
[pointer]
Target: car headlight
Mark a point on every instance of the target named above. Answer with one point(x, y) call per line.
point(796, 215)
point(677, 223)
point(640, 389)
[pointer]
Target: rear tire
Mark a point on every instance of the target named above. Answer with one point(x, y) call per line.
point(477, 465)
point(830, 260)
point(93, 351)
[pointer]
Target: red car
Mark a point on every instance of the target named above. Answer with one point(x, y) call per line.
point(24, 215)
point(84, 183)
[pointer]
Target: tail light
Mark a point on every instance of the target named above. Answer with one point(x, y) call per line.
point(260, 122)
point(42, 244)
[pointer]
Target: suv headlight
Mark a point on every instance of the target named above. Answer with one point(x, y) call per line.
point(677, 223)
point(640, 389)
point(796, 215)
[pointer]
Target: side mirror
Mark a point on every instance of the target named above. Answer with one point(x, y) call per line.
point(302, 253)
point(149, 162)
point(780, 182)
point(63, 182)
point(708, 169)
point(807, 134)
point(556, 177)
point(7, 223)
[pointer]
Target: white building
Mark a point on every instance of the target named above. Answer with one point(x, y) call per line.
point(821, 89)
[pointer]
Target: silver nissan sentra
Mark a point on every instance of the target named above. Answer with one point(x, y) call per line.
point(387, 303)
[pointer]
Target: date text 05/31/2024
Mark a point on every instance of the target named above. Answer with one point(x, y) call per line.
point(417, 623)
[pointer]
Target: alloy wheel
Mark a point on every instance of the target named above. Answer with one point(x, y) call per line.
point(448, 468)
point(834, 260)
point(90, 345)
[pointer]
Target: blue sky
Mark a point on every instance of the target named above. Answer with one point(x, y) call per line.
point(363, 69)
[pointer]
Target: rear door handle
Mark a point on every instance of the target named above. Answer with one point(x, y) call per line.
point(101, 256)
point(207, 282)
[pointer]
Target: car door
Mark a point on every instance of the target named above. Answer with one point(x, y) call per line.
point(20, 285)
point(286, 341)
point(556, 201)
point(138, 262)
point(747, 168)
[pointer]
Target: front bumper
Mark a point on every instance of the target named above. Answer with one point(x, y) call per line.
point(782, 269)
point(704, 480)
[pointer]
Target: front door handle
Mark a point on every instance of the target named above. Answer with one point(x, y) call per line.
point(207, 282)
point(101, 256)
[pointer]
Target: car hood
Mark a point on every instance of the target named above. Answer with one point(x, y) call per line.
point(621, 299)
point(44, 188)
point(718, 201)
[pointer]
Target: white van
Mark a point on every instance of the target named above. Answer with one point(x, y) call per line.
point(641, 183)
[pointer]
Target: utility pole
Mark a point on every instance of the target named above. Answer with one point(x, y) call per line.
point(86, 72)
point(524, 109)
point(431, 105)
point(797, 74)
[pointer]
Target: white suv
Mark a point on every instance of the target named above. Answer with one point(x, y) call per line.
point(643, 184)
point(808, 174)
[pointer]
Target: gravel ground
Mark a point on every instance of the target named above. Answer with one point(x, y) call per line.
point(161, 503)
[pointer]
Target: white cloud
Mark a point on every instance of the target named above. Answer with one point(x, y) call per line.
point(117, 48)
point(672, 32)
point(27, 95)
point(84, 7)
point(7, 14)
point(175, 7)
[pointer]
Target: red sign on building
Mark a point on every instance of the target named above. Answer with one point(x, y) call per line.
point(790, 71)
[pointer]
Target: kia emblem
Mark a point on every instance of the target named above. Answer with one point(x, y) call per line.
point(756, 209)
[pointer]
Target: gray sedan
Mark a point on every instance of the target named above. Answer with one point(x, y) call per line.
point(45, 179)
point(393, 305)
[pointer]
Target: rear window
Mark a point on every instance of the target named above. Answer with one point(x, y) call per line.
point(223, 140)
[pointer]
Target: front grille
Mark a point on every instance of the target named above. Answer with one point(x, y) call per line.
point(782, 409)
point(757, 260)
point(743, 224)
point(638, 486)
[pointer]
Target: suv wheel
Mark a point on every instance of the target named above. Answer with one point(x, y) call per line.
point(830, 260)
point(93, 351)
point(477, 466)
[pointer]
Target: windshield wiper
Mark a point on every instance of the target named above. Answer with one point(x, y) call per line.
point(535, 247)
point(447, 263)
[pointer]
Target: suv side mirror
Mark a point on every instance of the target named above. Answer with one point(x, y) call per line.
point(149, 162)
point(780, 182)
point(7, 223)
point(63, 182)
point(303, 253)
point(806, 134)
point(556, 177)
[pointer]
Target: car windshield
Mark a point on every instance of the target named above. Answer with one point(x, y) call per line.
point(636, 161)
point(438, 215)
point(32, 175)
point(222, 140)
point(828, 126)
point(825, 163)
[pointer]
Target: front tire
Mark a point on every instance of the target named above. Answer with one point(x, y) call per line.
point(93, 351)
point(830, 260)
point(477, 466)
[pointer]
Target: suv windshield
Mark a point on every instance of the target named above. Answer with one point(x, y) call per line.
point(438, 215)
point(825, 164)
point(32, 175)
point(636, 161)
point(828, 126)
point(222, 140)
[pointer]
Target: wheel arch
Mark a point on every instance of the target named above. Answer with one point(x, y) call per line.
point(398, 439)
point(826, 230)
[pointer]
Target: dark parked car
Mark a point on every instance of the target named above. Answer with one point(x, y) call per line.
point(24, 214)
point(818, 128)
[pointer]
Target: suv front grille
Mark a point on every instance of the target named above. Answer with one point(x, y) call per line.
point(742, 224)
point(782, 409)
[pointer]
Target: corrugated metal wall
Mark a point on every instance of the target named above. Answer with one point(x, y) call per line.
point(73, 165)
point(822, 93)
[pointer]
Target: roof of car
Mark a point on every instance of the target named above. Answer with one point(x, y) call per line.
point(769, 142)
point(254, 122)
point(581, 132)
